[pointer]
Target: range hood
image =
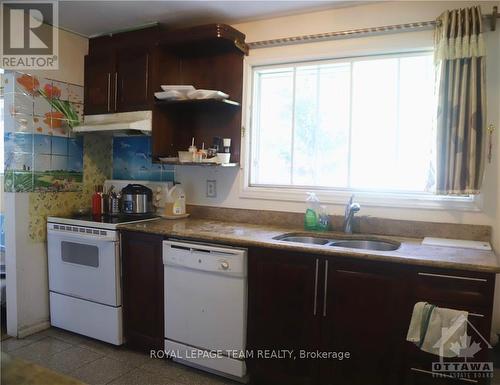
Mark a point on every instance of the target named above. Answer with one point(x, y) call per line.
point(124, 122)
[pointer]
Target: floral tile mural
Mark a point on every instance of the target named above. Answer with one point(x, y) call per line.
point(132, 160)
point(41, 152)
point(97, 168)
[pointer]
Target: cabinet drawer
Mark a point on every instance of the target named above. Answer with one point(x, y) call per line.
point(454, 288)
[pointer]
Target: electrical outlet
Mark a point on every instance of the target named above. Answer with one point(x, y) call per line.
point(211, 188)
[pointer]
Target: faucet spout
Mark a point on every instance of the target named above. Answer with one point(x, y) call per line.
point(350, 209)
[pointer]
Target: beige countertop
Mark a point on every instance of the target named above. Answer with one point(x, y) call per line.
point(251, 235)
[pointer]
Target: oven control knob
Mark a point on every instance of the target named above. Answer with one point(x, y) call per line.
point(224, 265)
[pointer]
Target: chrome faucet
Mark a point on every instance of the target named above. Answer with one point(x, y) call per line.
point(350, 209)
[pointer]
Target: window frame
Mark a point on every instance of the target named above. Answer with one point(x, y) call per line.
point(374, 198)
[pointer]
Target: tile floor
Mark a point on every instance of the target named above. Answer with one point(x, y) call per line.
point(97, 363)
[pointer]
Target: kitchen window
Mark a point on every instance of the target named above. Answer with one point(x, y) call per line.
point(357, 124)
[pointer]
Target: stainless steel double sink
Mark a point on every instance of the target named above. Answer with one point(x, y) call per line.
point(354, 242)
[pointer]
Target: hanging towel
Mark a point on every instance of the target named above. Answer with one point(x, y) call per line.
point(437, 330)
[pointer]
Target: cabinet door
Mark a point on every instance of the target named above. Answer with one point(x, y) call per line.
point(142, 290)
point(132, 79)
point(366, 313)
point(99, 84)
point(282, 292)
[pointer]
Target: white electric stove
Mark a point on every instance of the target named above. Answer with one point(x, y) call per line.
point(85, 269)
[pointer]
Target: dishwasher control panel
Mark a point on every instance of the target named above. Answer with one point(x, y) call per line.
point(210, 258)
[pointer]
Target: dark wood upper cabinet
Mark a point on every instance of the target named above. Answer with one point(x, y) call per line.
point(123, 71)
point(99, 81)
point(132, 77)
point(143, 304)
point(118, 72)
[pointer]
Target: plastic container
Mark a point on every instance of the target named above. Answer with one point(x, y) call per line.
point(175, 201)
point(186, 156)
point(223, 158)
point(311, 218)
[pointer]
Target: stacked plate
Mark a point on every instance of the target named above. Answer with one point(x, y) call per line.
point(180, 92)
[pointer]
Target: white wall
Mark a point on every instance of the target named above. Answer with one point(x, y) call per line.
point(378, 14)
point(26, 260)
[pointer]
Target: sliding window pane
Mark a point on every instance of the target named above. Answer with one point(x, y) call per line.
point(374, 124)
point(416, 107)
point(272, 122)
point(321, 132)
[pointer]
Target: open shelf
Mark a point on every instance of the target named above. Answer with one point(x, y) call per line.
point(203, 164)
point(198, 102)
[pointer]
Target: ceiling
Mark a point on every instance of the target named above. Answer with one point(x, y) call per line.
point(92, 18)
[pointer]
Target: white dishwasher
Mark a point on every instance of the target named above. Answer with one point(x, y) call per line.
point(206, 306)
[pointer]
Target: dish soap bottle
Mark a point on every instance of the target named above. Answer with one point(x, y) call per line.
point(311, 219)
point(175, 201)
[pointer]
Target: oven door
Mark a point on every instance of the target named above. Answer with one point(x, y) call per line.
point(84, 266)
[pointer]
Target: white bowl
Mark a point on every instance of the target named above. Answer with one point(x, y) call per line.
point(207, 94)
point(170, 95)
point(183, 90)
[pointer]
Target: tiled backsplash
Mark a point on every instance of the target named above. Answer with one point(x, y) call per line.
point(41, 152)
point(132, 160)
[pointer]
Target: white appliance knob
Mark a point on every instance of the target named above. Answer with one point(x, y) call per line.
point(224, 265)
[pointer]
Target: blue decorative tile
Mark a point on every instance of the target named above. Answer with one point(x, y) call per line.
point(18, 142)
point(58, 163)
point(16, 161)
point(38, 162)
point(59, 145)
point(42, 144)
point(132, 157)
point(75, 164)
point(42, 162)
point(75, 147)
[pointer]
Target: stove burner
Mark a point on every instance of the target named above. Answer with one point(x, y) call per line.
point(114, 219)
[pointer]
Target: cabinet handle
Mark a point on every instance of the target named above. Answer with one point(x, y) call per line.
point(326, 288)
point(109, 91)
point(442, 375)
point(116, 87)
point(316, 287)
point(452, 277)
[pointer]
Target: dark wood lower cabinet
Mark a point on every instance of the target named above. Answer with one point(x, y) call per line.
point(303, 302)
point(143, 304)
point(282, 316)
point(306, 311)
point(366, 313)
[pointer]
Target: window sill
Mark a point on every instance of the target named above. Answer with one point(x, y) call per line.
point(370, 199)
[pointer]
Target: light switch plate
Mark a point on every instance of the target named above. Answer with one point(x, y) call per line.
point(211, 188)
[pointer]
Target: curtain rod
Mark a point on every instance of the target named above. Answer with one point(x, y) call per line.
point(386, 29)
